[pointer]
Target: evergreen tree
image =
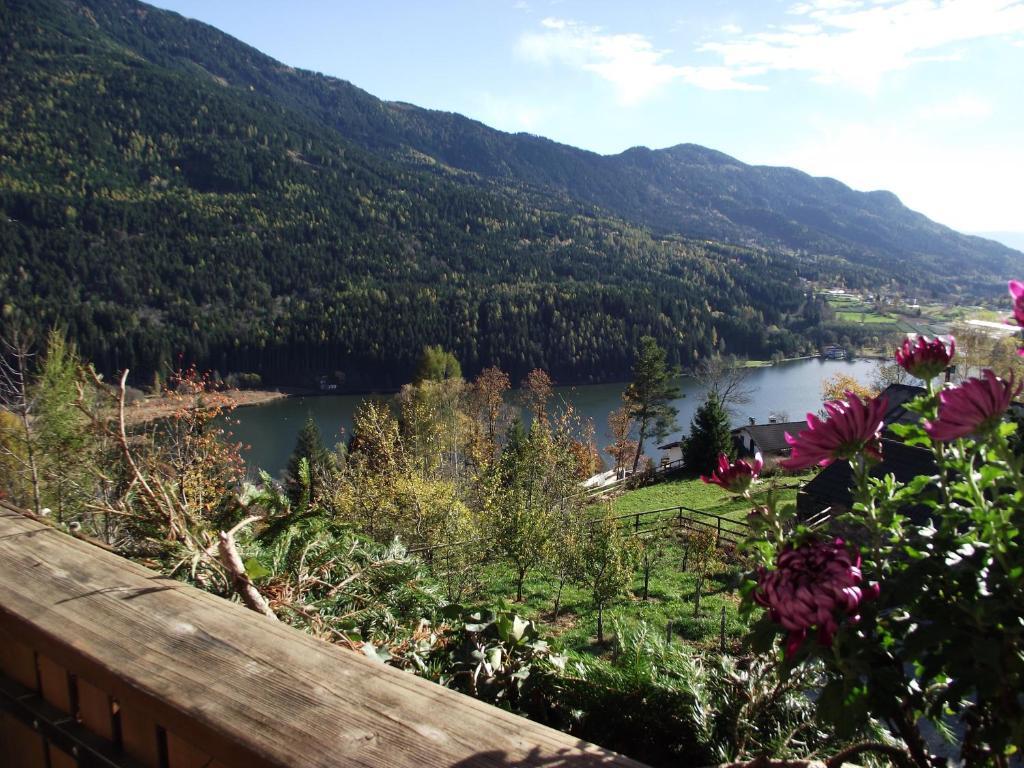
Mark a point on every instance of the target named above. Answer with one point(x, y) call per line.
point(710, 435)
point(309, 446)
point(649, 398)
point(62, 429)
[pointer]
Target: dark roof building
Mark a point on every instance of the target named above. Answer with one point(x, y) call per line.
point(898, 396)
point(769, 439)
point(832, 487)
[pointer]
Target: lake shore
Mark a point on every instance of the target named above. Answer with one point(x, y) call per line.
point(156, 408)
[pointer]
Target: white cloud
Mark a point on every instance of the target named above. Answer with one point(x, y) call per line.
point(856, 43)
point(509, 115)
point(627, 61)
point(966, 106)
point(972, 187)
point(731, 29)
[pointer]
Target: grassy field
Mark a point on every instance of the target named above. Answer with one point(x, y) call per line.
point(865, 317)
point(671, 589)
point(693, 493)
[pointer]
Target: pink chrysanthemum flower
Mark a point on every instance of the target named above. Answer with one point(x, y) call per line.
point(925, 359)
point(813, 585)
point(735, 477)
point(853, 426)
point(1017, 294)
point(976, 406)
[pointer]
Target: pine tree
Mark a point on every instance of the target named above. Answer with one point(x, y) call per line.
point(710, 435)
point(649, 398)
point(62, 430)
point(309, 446)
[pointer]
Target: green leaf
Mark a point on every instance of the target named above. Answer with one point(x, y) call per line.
point(255, 570)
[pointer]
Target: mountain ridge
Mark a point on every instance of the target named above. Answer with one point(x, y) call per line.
point(770, 205)
point(171, 194)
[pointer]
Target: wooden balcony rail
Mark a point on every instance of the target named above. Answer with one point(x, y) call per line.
point(106, 663)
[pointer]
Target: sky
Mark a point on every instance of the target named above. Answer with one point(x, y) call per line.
point(924, 98)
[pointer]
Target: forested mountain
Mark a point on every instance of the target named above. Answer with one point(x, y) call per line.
point(167, 191)
point(686, 189)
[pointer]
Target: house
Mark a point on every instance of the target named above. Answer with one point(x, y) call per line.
point(831, 489)
point(672, 452)
point(767, 439)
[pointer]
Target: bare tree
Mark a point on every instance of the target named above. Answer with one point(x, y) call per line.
point(17, 398)
point(728, 378)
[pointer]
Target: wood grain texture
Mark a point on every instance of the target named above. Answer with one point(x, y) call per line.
point(18, 661)
point(247, 691)
point(21, 745)
point(94, 710)
point(139, 734)
point(53, 680)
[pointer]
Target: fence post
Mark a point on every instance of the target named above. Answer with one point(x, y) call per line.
point(721, 636)
point(718, 536)
point(636, 523)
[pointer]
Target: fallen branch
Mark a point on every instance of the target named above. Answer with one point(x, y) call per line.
point(236, 570)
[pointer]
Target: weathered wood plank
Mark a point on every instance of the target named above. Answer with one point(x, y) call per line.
point(95, 710)
point(139, 734)
point(181, 754)
point(18, 661)
point(243, 689)
point(22, 746)
point(53, 680)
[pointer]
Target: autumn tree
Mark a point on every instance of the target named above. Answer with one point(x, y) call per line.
point(620, 427)
point(649, 397)
point(835, 388)
point(701, 556)
point(727, 377)
point(537, 497)
point(608, 561)
point(537, 390)
point(650, 552)
point(488, 397)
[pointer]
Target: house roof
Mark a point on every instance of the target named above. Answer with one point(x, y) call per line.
point(673, 444)
point(898, 396)
point(905, 462)
point(771, 438)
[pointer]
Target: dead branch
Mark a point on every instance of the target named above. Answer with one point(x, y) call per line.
point(236, 570)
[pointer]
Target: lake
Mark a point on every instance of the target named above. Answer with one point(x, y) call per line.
point(786, 390)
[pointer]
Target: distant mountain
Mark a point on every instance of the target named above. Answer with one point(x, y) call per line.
point(1009, 239)
point(686, 189)
point(170, 194)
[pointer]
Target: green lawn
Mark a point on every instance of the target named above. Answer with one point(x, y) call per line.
point(696, 494)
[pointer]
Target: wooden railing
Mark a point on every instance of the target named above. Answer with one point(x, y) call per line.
point(106, 663)
point(728, 532)
point(638, 479)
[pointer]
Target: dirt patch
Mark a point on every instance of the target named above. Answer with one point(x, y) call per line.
point(154, 408)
